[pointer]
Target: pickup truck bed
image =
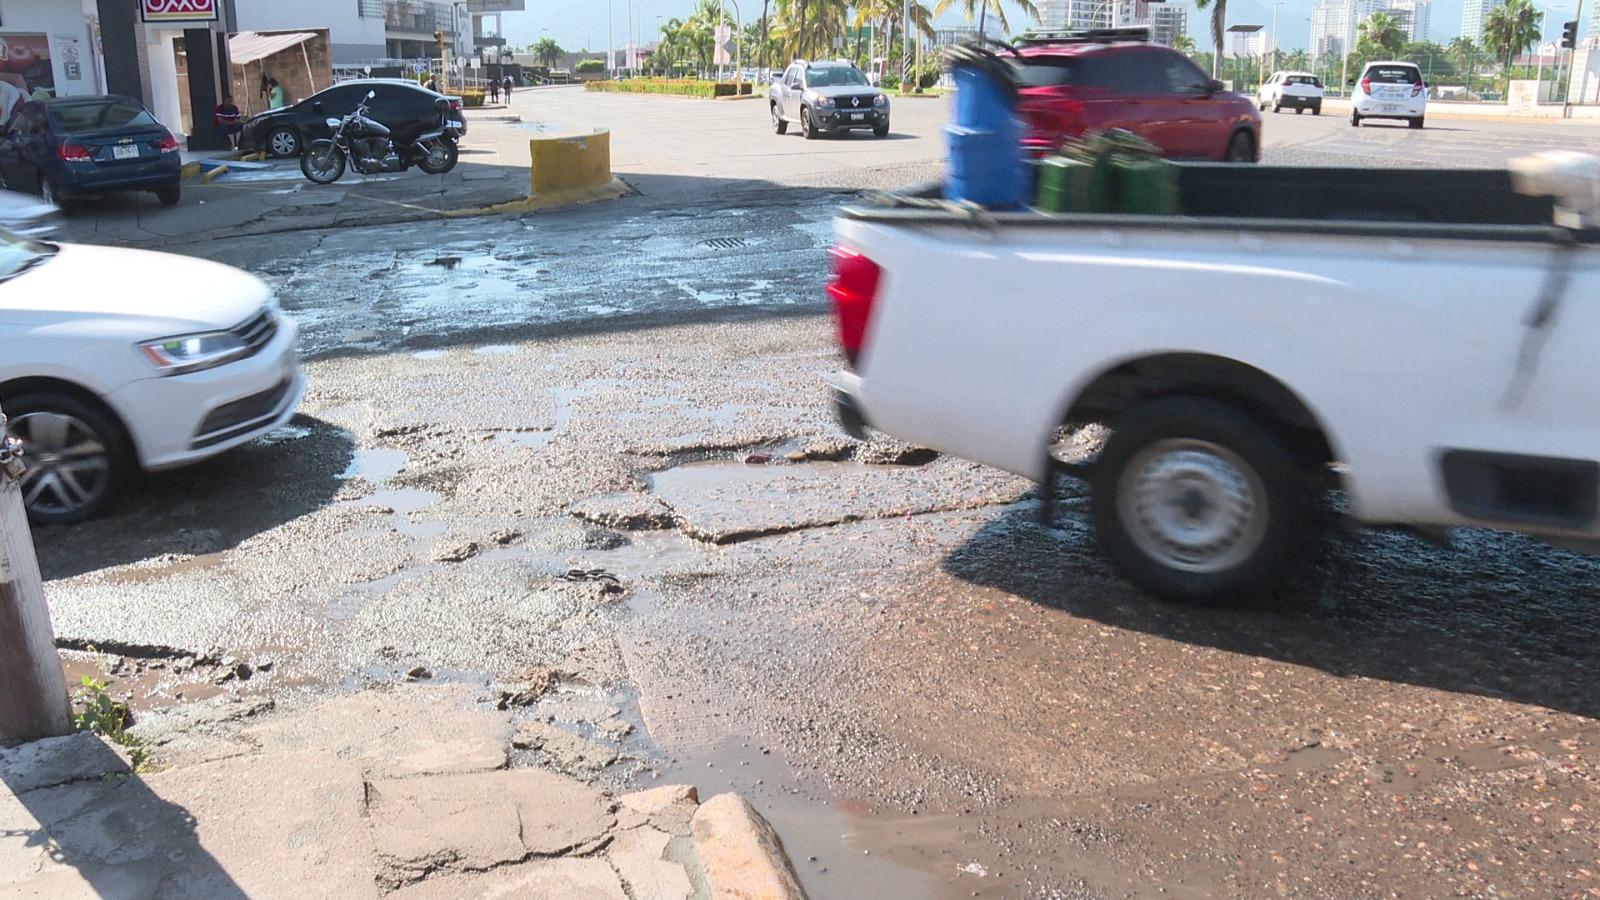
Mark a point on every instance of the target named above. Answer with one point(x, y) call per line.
point(1426, 340)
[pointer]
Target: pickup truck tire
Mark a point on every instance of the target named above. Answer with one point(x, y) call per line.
point(808, 128)
point(779, 123)
point(1196, 501)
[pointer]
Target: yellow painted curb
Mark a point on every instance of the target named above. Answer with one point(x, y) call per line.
point(569, 162)
point(218, 172)
point(258, 156)
point(190, 170)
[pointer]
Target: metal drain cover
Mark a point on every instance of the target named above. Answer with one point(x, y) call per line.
point(727, 243)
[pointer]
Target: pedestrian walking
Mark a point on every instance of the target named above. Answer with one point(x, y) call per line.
point(433, 83)
point(507, 88)
point(494, 90)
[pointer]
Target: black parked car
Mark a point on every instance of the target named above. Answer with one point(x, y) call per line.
point(81, 146)
point(406, 108)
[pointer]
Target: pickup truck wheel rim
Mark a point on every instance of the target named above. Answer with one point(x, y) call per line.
point(1193, 506)
point(68, 464)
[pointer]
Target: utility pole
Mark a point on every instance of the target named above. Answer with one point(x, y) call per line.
point(905, 45)
point(33, 690)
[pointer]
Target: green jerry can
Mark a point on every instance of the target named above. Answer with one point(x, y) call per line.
point(1146, 184)
point(1076, 183)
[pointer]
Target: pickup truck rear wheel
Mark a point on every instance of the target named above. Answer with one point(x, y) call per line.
point(1195, 501)
point(779, 124)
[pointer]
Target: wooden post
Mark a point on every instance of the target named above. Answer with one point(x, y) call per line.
point(33, 690)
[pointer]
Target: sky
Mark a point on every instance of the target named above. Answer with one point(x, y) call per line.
point(581, 24)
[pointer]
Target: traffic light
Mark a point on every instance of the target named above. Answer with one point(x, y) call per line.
point(1569, 35)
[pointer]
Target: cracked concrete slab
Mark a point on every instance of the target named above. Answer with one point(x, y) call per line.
point(379, 731)
point(669, 807)
point(302, 833)
point(60, 760)
point(569, 752)
point(568, 879)
point(725, 502)
point(639, 856)
point(479, 821)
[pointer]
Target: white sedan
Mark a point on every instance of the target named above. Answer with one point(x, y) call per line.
point(116, 360)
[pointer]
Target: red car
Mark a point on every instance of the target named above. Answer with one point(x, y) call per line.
point(1070, 85)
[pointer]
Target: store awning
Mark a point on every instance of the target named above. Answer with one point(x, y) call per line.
point(248, 46)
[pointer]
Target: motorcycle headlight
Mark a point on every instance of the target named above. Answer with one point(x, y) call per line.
point(880, 100)
point(332, 123)
point(824, 102)
point(193, 352)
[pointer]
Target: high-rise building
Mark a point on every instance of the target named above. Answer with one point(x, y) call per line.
point(1167, 21)
point(1075, 15)
point(1472, 15)
point(1415, 15)
point(1330, 30)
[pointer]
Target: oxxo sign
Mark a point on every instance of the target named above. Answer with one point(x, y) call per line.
point(179, 10)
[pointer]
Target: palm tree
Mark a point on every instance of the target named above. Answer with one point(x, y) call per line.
point(981, 8)
point(1511, 28)
point(1299, 60)
point(1465, 53)
point(548, 52)
point(1219, 21)
point(1381, 34)
point(1183, 43)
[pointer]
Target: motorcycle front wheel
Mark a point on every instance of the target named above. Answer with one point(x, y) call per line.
point(323, 162)
point(438, 156)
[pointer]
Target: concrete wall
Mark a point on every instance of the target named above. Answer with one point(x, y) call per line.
point(290, 68)
point(351, 37)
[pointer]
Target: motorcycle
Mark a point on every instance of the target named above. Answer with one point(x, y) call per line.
point(370, 148)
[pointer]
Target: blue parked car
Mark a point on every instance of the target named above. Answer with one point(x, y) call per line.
point(74, 147)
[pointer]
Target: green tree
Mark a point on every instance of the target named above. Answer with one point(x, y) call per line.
point(1382, 36)
point(1183, 44)
point(1465, 54)
point(1219, 22)
point(1297, 60)
point(548, 52)
point(1511, 28)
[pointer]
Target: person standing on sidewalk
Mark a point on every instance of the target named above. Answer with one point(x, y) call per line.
point(494, 90)
point(507, 87)
point(274, 94)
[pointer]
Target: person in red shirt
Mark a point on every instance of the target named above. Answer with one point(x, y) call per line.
point(229, 122)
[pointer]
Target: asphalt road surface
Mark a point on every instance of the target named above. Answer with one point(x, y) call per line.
point(526, 446)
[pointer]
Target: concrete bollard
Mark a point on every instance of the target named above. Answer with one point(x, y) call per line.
point(570, 162)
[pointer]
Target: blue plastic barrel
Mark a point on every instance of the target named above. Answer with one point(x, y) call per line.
point(987, 164)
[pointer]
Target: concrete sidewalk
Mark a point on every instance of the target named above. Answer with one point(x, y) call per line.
point(273, 196)
point(408, 792)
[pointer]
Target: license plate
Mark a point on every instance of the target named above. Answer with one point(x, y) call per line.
point(858, 117)
point(1391, 107)
point(127, 151)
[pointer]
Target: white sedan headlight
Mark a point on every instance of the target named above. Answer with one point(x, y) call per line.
point(193, 352)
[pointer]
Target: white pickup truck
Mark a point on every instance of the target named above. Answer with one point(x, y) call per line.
point(1428, 342)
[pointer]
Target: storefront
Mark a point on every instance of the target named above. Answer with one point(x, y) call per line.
point(47, 49)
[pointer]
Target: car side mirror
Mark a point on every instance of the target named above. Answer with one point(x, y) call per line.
point(1213, 86)
point(371, 94)
point(1350, 82)
point(317, 106)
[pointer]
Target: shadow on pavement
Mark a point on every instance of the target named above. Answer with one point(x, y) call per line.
point(1498, 615)
point(209, 507)
point(89, 827)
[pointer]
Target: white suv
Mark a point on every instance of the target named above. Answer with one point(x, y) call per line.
point(1389, 90)
point(1299, 91)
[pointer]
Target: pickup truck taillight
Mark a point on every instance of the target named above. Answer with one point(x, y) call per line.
point(853, 290)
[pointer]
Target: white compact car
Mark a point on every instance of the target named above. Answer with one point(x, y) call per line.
point(1389, 90)
point(113, 360)
point(1298, 91)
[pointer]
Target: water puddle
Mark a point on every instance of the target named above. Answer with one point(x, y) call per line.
point(401, 501)
point(376, 465)
point(429, 354)
point(532, 440)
